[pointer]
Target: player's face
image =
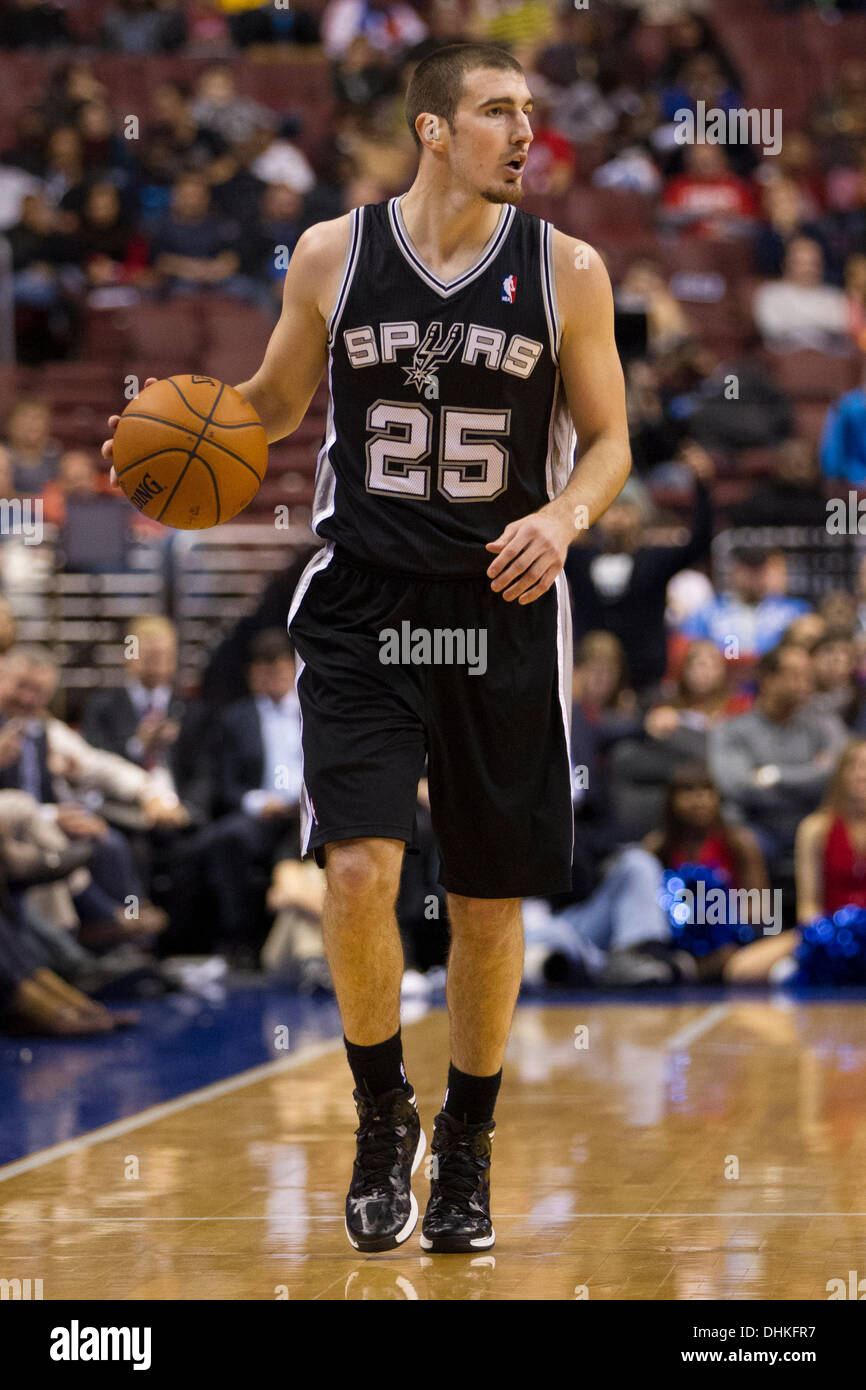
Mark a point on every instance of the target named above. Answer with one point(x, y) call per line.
point(492, 134)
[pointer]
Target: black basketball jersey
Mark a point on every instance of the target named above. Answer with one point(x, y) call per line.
point(447, 418)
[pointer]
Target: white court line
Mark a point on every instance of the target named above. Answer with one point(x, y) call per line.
point(170, 1107)
point(702, 1024)
point(500, 1216)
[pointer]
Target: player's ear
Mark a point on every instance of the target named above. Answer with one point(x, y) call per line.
point(429, 128)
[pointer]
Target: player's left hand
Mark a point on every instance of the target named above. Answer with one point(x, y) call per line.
point(530, 553)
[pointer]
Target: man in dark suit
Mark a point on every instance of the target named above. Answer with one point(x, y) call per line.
point(145, 720)
point(257, 776)
point(27, 680)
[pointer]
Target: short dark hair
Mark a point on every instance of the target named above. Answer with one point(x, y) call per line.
point(270, 645)
point(436, 85)
point(771, 662)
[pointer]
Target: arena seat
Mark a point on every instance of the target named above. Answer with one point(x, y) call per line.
point(810, 417)
point(813, 376)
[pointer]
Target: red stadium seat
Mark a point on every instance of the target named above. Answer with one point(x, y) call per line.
point(813, 376)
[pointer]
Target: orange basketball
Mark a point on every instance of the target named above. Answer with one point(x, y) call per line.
point(190, 452)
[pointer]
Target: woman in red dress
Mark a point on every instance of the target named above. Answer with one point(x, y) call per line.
point(830, 848)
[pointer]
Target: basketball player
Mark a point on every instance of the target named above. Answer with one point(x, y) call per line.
point(463, 340)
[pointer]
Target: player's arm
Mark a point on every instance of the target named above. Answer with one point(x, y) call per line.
point(283, 387)
point(531, 551)
point(295, 358)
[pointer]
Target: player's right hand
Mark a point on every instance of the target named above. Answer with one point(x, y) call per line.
point(107, 449)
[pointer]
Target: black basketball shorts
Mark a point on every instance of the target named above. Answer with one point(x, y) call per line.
point(398, 675)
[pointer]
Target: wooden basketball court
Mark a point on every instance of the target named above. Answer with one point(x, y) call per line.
point(678, 1151)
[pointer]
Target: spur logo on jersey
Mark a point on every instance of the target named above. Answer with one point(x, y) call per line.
point(486, 347)
point(432, 352)
point(509, 289)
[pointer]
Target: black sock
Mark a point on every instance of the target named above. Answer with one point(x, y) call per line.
point(471, 1098)
point(379, 1068)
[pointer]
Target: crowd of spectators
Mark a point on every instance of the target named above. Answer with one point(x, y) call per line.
point(719, 700)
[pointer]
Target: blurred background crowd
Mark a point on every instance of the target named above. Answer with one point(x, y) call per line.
point(158, 162)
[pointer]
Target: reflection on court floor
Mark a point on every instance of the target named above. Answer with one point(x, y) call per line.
point(709, 1149)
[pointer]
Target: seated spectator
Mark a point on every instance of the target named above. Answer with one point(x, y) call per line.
point(644, 286)
point(708, 199)
point(698, 382)
point(192, 249)
point(379, 146)
point(140, 720)
point(800, 310)
point(15, 185)
point(105, 152)
point(798, 163)
point(173, 143)
point(550, 162)
point(694, 830)
point(619, 584)
point(284, 164)
point(695, 833)
point(838, 608)
point(280, 226)
point(617, 936)
point(772, 763)
point(829, 849)
point(109, 249)
point(363, 75)
point(704, 73)
point(46, 282)
point(294, 951)
point(791, 496)
point(390, 26)
point(34, 455)
point(218, 107)
point(34, 1000)
point(78, 476)
point(843, 439)
point(746, 620)
point(600, 682)
point(609, 929)
point(257, 776)
point(672, 732)
point(72, 83)
point(582, 112)
point(64, 172)
point(839, 119)
point(631, 166)
point(654, 437)
point(805, 631)
point(703, 697)
point(837, 689)
point(787, 213)
point(142, 26)
point(44, 757)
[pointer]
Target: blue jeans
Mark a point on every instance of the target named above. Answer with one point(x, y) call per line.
point(622, 912)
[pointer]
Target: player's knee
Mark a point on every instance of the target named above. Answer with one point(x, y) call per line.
point(356, 871)
point(480, 916)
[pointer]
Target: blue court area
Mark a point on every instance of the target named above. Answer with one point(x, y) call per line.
point(56, 1090)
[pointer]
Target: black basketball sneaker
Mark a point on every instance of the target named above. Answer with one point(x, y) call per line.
point(381, 1209)
point(457, 1218)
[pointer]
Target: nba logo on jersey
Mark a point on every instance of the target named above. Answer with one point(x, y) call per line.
point(509, 289)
